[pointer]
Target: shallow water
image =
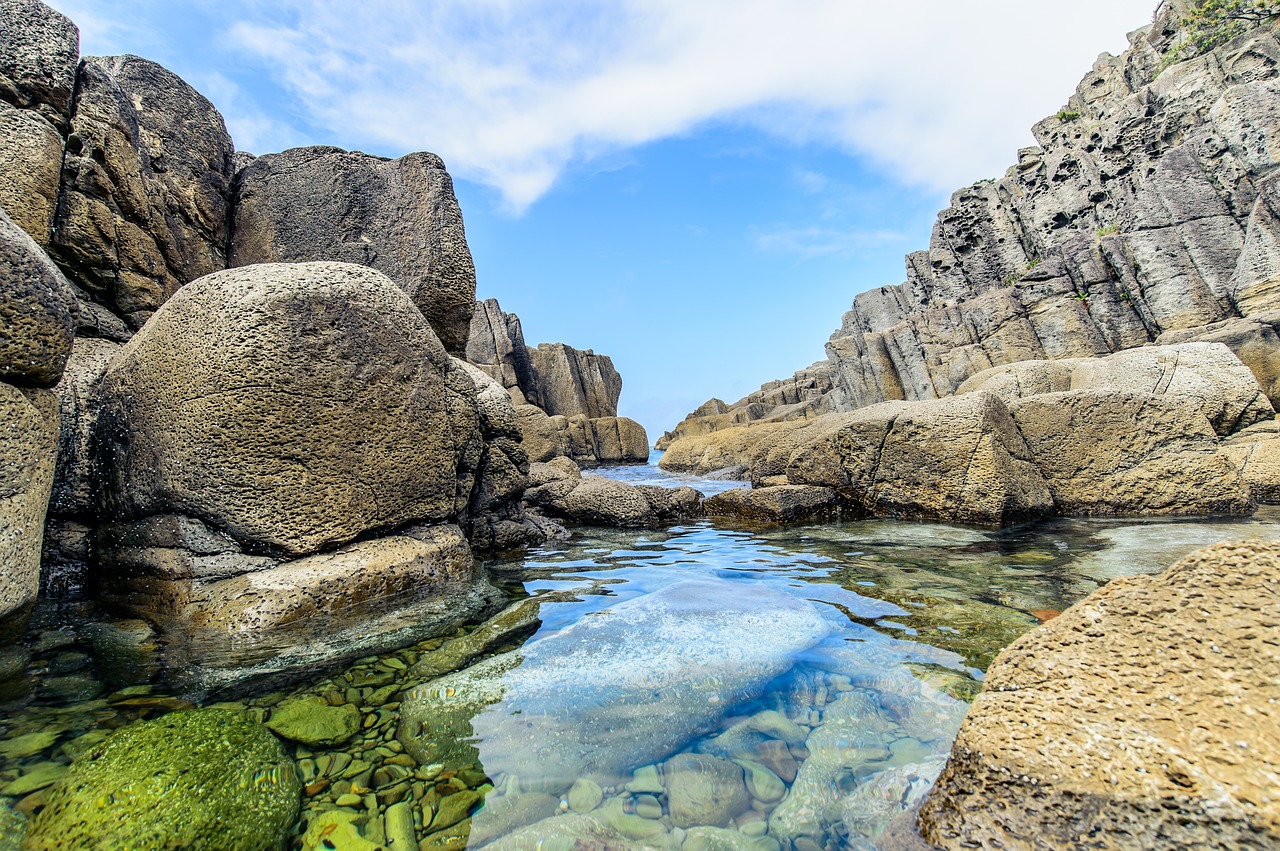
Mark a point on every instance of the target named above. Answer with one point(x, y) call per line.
point(705, 686)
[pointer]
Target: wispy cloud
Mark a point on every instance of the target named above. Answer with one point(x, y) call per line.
point(511, 92)
point(822, 242)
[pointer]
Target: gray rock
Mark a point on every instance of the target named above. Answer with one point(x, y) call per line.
point(704, 790)
point(596, 501)
point(30, 167)
point(397, 216)
point(37, 311)
point(80, 403)
point(39, 49)
point(145, 186)
point(568, 382)
point(496, 345)
point(213, 407)
point(28, 449)
point(781, 504)
point(589, 701)
point(588, 442)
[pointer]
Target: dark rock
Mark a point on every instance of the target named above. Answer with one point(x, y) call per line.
point(397, 216)
point(781, 504)
point(39, 49)
point(37, 311)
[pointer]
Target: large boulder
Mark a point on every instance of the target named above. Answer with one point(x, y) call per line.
point(198, 779)
point(39, 49)
point(612, 692)
point(778, 504)
point(496, 345)
point(37, 311)
point(30, 167)
point(568, 382)
point(397, 216)
point(146, 181)
point(1142, 717)
point(28, 451)
point(588, 442)
point(1102, 452)
point(294, 406)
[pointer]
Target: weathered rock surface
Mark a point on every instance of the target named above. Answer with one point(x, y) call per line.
point(1147, 211)
point(293, 406)
point(568, 382)
point(779, 504)
point(30, 167)
point(39, 49)
point(587, 702)
point(174, 783)
point(28, 450)
point(146, 182)
point(496, 345)
point(598, 501)
point(589, 443)
point(397, 216)
point(37, 311)
point(1154, 719)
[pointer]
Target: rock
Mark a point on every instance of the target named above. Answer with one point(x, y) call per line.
point(503, 814)
point(1103, 452)
point(34, 778)
point(646, 779)
point(782, 504)
point(1259, 464)
point(335, 830)
point(208, 409)
point(671, 504)
point(587, 702)
point(145, 186)
point(454, 808)
point(39, 49)
point(397, 216)
point(762, 783)
point(174, 782)
point(556, 470)
point(37, 311)
point(720, 839)
point(585, 796)
point(496, 345)
point(79, 406)
point(1253, 341)
point(30, 165)
point(595, 500)
point(400, 832)
point(1205, 375)
point(27, 745)
point(704, 790)
point(518, 619)
point(28, 450)
point(568, 382)
point(1138, 692)
point(314, 723)
point(589, 443)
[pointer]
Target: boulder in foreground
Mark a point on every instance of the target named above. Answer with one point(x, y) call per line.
point(1142, 717)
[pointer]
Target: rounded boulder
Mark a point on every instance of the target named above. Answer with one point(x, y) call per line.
point(293, 406)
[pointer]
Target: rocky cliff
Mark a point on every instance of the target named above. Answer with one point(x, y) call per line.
point(1147, 212)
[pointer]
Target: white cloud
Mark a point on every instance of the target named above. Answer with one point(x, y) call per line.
point(510, 92)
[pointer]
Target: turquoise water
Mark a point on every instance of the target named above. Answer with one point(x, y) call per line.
point(707, 686)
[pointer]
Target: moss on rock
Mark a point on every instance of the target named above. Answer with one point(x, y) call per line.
point(205, 778)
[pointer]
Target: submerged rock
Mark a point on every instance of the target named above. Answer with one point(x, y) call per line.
point(200, 779)
point(704, 790)
point(1138, 694)
point(618, 690)
point(314, 723)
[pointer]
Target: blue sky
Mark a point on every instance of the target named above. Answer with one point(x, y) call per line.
point(697, 189)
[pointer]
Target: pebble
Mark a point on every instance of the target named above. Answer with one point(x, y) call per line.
point(585, 796)
point(399, 828)
point(349, 800)
point(648, 807)
point(646, 780)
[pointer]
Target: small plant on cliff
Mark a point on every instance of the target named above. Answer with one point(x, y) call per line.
point(1067, 115)
point(1107, 230)
point(1032, 264)
point(1083, 298)
point(1216, 22)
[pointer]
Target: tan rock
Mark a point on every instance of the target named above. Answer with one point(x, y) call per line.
point(1115, 453)
point(1142, 717)
point(28, 452)
point(294, 406)
point(568, 382)
point(30, 165)
point(780, 504)
point(37, 310)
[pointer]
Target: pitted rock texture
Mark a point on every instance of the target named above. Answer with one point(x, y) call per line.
point(294, 406)
point(39, 49)
point(778, 504)
point(30, 168)
point(397, 216)
point(588, 442)
point(1148, 210)
point(1142, 717)
point(568, 382)
point(599, 501)
point(38, 312)
point(145, 186)
point(28, 449)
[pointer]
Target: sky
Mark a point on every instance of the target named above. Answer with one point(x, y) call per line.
point(696, 189)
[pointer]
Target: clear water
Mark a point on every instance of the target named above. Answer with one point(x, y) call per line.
point(706, 686)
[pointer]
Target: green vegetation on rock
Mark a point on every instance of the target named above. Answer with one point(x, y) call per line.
point(314, 723)
point(1216, 22)
point(199, 779)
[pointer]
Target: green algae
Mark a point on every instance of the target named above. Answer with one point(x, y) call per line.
point(202, 779)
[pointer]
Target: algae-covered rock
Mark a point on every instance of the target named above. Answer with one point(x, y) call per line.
point(206, 778)
point(315, 723)
point(704, 789)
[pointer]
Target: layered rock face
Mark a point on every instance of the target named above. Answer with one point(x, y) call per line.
point(567, 400)
point(1148, 212)
point(1154, 719)
point(397, 216)
point(1135, 433)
